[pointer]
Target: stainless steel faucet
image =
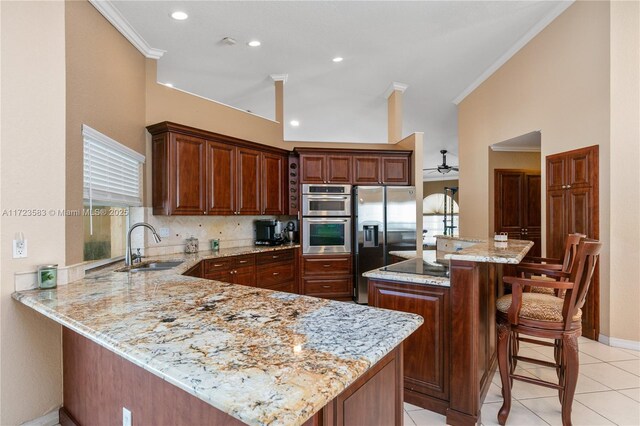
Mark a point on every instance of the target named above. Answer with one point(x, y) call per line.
point(129, 257)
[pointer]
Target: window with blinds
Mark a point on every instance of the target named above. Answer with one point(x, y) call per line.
point(112, 171)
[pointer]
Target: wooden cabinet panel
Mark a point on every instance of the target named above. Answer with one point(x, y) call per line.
point(245, 275)
point(338, 169)
point(329, 287)
point(313, 168)
point(426, 351)
point(366, 170)
point(188, 165)
point(532, 212)
point(160, 174)
point(221, 179)
point(556, 223)
point(555, 173)
point(579, 169)
point(276, 273)
point(326, 265)
point(217, 265)
point(395, 170)
point(580, 205)
point(248, 182)
point(273, 183)
point(274, 256)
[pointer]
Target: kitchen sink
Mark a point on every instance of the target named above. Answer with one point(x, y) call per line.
point(151, 266)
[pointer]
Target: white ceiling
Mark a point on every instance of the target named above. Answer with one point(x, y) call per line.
point(438, 48)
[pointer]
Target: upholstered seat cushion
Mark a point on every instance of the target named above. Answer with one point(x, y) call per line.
point(542, 290)
point(537, 306)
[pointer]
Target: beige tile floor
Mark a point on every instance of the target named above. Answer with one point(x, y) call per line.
point(608, 391)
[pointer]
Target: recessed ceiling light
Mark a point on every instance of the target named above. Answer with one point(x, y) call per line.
point(254, 43)
point(179, 16)
point(294, 123)
point(337, 59)
point(168, 84)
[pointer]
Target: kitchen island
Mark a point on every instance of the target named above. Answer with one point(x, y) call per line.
point(175, 349)
point(450, 360)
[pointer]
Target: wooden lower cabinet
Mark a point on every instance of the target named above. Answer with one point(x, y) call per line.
point(426, 359)
point(98, 383)
point(273, 270)
point(328, 276)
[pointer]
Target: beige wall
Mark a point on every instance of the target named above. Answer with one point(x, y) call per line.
point(105, 90)
point(507, 160)
point(437, 186)
point(32, 175)
point(559, 84)
point(625, 173)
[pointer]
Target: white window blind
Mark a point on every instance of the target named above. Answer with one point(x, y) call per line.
point(112, 172)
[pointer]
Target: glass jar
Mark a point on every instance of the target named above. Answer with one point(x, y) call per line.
point(47, 276)
point(191, 245)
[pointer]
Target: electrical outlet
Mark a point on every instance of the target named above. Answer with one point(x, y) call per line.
point(19, 249)
point(126, 417)
point(164, 232)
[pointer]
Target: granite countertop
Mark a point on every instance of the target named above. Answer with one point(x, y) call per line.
point(264, 357)
point(490, 251)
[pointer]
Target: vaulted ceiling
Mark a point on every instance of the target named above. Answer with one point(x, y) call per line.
point(441, 50)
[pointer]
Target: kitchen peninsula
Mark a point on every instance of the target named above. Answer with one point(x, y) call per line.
point(176, 349)
point(449, 361)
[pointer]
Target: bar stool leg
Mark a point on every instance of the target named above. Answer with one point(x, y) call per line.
point(571, 366)
point(504, 355)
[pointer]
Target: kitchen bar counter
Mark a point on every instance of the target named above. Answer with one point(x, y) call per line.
point(263, 357)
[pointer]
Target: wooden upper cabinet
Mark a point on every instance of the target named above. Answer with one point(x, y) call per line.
point(338, 168)
point(160, 174)
point(366, 170)
point(248, 182)
point(556, 173)
point(273, 184)
point(188, 166)
point(221, 179)
point(580, 168)
point(395, 170)
point(313, 168)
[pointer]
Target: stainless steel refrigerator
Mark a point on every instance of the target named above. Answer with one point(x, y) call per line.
point(384, 221)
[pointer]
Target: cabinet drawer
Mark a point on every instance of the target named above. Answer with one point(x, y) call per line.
point(215, 265)
point(223, 275)
point(284, 286)
point(274, 256)
point(244, 260)
point(275, 274)
point(328, 287)
point(326, 265)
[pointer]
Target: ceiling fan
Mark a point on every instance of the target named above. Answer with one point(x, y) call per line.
point(443, 168)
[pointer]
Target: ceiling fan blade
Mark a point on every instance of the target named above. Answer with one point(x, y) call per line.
point(432, 168)
point(455, 168)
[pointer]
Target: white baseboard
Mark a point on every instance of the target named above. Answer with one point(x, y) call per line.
point(619, 343)
point(50, 419)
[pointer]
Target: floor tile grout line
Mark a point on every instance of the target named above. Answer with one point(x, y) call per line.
point(622, 369)
point(618, 390)
point(594, 411)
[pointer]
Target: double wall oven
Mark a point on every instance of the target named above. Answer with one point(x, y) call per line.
point(326, 221)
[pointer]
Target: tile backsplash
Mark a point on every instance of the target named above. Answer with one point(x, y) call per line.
point(233, 231)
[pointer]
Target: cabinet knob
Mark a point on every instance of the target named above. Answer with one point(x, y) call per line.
point(243, 261)
point(326, 286)
point(276, 273)
point(326, 266)
point(568, 186)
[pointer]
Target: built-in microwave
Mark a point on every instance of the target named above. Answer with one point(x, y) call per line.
point(326, 200)
point(326, 235)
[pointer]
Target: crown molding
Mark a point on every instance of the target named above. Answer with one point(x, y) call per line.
point(113, 15)
point(400, 87)
point(279, 77)
point(515, 148)
point(539, 26)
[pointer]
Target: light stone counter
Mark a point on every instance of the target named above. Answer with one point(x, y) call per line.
point(263, 357)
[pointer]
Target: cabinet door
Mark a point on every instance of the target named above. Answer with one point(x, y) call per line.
point(555, 172)
point(532, 214)
point(273, 183)
point(248, 182)
point(509, 206)
point(426, 351)
point(395, 170)
point(221, 178)
point(582, 168)
point(556, 222)
point(245, 275)
point(366, 170)
point(188, 175)
point(160, 174)
point(338, 168)
point(313, 168)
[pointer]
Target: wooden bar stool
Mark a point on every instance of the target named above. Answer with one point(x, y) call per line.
point(550, 317)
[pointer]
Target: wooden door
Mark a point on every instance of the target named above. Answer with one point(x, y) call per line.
point(221, 178)
point(248, 182)
point(573, 207)
point(556, 170)
point(366, 170)
point(313, 168)
point(338, 169)
point(188, 167)
point(517, 206)
point(395, 170)
point(273, 183)
point(532, 213)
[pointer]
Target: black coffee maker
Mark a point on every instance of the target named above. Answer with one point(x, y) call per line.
point(269, 232)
